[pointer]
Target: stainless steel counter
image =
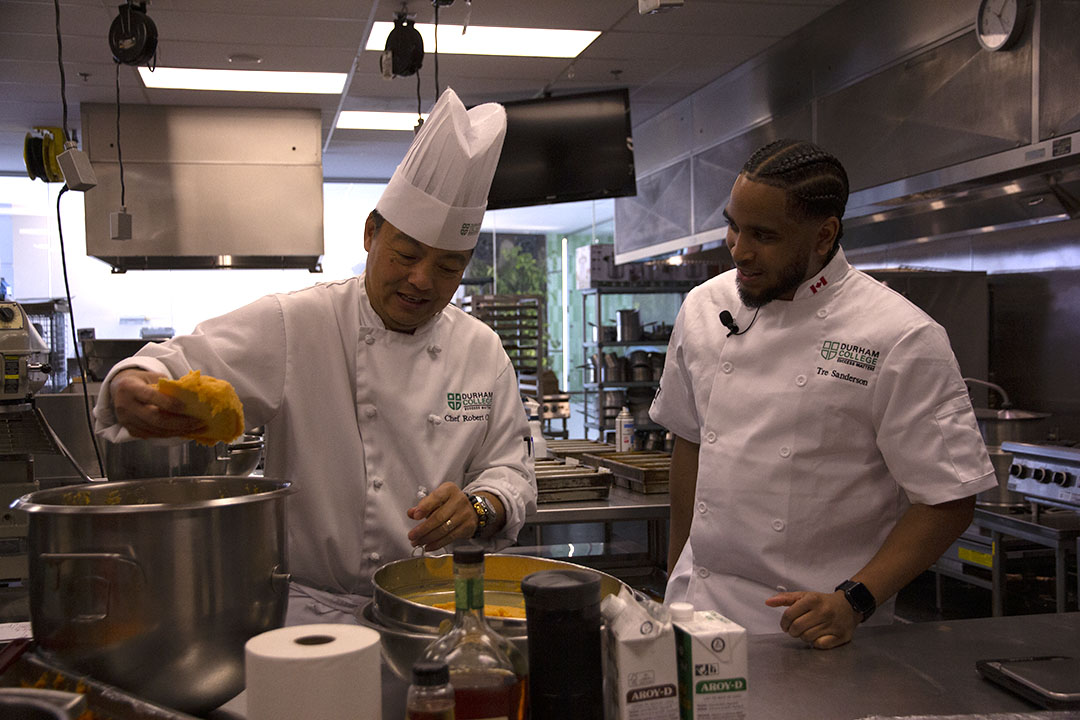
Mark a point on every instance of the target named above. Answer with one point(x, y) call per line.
point(902, 669)
point(642, 565)
point(621, 504)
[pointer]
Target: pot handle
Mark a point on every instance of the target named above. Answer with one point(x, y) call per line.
point(92, 610)
point(73, 704)
point(278, 579)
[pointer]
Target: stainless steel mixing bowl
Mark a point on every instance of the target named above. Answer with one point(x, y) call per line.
point(406, 591)
point(401, 648)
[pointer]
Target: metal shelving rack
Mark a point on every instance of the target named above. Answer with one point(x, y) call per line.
point(594, 408)
point(519, 321)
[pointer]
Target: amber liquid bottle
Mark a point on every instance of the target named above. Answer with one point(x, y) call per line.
point(489, 674)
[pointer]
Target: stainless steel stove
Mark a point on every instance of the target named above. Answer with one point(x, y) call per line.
point(1038, 537)
point(1045, 474)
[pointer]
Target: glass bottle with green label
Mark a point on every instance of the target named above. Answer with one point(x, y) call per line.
point(489, 674)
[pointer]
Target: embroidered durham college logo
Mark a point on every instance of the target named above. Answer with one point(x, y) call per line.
point(850, 354)
point(469, 401)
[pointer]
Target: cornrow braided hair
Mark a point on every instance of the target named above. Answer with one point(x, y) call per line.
point(814, 180)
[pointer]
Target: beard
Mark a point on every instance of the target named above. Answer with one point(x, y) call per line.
point(791, 277)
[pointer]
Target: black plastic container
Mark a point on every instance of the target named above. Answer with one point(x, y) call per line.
point(562, 615)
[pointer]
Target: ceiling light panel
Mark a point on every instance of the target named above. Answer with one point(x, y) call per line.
point(483, 40)
point(368, 120)
point(267, 81)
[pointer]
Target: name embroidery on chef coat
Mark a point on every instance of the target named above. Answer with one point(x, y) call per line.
point(850, 354)
point(469, 402)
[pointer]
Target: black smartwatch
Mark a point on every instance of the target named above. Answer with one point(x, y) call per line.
point(861, 599)
point(485, 512)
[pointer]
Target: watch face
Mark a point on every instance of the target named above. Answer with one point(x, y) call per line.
point(998, 23)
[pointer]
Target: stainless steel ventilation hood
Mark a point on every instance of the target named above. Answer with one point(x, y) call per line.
point(1024, 186)
point(206, 187)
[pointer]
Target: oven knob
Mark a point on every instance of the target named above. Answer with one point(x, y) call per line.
point(1041, 475)
point(1017, 470)
point(1061, 478)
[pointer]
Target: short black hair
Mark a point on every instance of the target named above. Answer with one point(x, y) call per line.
point(377, 219)
point(815, 181)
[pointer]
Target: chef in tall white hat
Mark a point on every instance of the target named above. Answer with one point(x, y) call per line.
point(395, 415)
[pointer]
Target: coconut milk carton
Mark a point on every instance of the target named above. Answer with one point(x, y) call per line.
point(641, 679)
point(713, 671)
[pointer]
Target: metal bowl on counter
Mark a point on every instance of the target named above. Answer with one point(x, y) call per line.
point(154, 585)
point(401, 648)
point(413, 597)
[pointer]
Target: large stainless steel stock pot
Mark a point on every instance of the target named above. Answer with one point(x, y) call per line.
point(155, 585)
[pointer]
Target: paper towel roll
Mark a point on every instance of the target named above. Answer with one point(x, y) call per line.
point(314, 672)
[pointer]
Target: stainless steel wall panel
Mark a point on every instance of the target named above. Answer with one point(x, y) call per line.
point(1059, 68)
point(944, 106)
point(658, 213)
point(859, 37)
point(1035, 340)
point(753, 94)
point(715, 169)
point(663, 139)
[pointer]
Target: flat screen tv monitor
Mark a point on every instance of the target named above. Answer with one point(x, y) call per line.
point(564, 149)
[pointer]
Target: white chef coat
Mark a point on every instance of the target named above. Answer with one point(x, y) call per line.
point(364, 421)
point(818, 428)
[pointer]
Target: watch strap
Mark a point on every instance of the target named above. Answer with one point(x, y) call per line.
point(485, 512)
point(859, 597)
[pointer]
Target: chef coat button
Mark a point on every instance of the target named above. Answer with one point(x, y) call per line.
point(710, 437)
point(800, 380)
point(369, 339)
point(434, 419)
point(778, 525)
point(370, 411)
point(702, 508)
point(822, 312)
point(785, 451)
point(421, 492)
point(434, 350)
point(374, 557)
point(781, 588)
point(703, 572)
point(727, 367)
point(377, 483)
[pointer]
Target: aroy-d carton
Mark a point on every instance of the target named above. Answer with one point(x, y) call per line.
point(641, 677)
point(713, 670)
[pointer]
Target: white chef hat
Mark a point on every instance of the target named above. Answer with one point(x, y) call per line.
point(438, 193)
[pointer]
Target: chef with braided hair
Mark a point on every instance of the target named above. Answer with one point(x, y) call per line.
point(826, 450)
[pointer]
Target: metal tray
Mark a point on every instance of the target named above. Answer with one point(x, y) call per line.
point(577, 449)
point(643, 472)
point(561, 480)
point(104, 702)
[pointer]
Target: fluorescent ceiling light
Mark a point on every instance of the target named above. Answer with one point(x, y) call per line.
point(243, 80)
point(365, 120)
point(481, 40)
